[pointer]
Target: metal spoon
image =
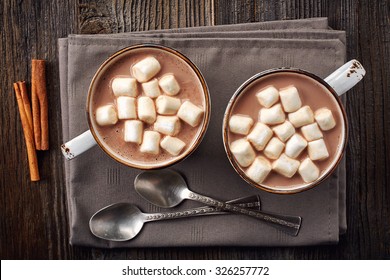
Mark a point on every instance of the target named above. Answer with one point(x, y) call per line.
point(167, 188)
point(123, 221)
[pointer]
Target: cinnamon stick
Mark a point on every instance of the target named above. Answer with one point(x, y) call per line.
point(36, 115)
point(28, 132)
point(39, 104)
point(26, 102)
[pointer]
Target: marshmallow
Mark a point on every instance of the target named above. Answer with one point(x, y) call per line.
point(295, 145)
point(259, 136)
point(242, 152)
point(146, 109)
point(169, 125)
point(284, 130)
point(273, 115)
point(301, 117)
point(317, 150)
point(285, 166)
point(311, 132)
point(106, 115)
point(146, 69)
point(124, 86)
point(308, 171)
point(151, 143)
point(274, 148)
point(172, 145)
point(133, 131)
point(240, 124)
point(290, 99)
point(259, 169)
point(190, 113)
point(151, 88)
point(126, 107)
point(268, 96)
point(325, 119)
point(169, 84)
point(167, 105)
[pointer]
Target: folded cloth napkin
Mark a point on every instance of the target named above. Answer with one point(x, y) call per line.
point(227, 56)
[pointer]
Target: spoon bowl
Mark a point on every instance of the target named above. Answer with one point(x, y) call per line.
point(117, 222)
point(164, 188)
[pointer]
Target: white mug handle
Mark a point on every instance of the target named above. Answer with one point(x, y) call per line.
point(346, 77)
point(78, 145)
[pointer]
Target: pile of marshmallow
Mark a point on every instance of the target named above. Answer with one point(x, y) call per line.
point(284, 148)
point(156, 108)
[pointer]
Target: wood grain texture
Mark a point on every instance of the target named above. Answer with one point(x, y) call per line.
point(33, 223)
point(126, 16)
point(32, 220)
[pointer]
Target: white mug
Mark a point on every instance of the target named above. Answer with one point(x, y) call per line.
point(85, 141)
point(337, 83)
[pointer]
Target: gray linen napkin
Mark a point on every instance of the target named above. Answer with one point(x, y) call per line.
point(226, 57)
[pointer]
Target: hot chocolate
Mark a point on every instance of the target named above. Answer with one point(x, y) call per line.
point(285, 130)
point(148, 89)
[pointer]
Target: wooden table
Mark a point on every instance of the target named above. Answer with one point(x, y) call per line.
point(33, 220)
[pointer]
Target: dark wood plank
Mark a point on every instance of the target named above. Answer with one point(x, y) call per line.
point(126, 16)
point(370, 122)
point(32, 223)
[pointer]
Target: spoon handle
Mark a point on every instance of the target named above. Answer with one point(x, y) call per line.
point(288, 224)
point(251, 202)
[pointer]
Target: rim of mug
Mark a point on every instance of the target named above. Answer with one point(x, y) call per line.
point(301, 187)
point(206, 117)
